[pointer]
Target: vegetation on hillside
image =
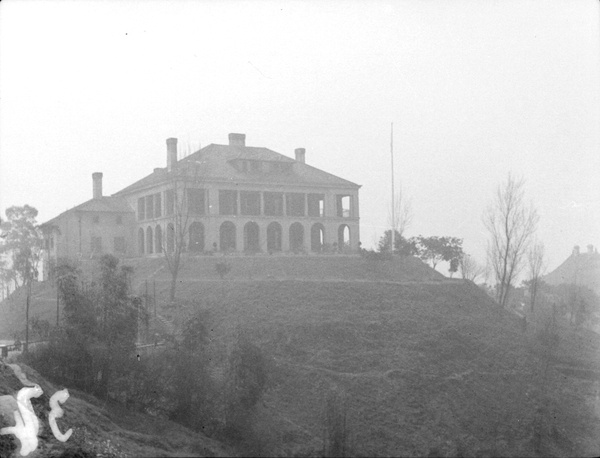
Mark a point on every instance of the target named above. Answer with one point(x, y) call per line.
point(324, 366)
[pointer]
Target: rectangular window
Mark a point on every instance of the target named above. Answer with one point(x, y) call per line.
point(170, 202)
point(344, 205)
point(228, 202)
point(157, 206)
point(119, 245)
point(141, 209)
point(295, 204)
point(96, 245)
point(273, 203)
point(149, 207)
point(250, 203)
point(316, 205)
point(196, 201)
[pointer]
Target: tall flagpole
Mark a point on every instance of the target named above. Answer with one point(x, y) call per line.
point(393, 209)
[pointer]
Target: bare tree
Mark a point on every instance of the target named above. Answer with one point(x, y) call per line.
point(180, 215)
point(511, 223)
point(469, 268)
point(536, 260)
point(400, 216)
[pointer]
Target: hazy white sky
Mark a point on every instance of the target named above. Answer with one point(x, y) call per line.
point(475, 89)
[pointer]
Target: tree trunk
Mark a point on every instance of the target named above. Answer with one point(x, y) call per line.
point(173, 286)
point(26, 346)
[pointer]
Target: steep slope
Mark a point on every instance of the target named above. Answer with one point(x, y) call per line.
point(98, 429)
point(423, 368)
point(194, 268)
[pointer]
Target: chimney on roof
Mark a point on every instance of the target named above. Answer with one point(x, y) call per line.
point(237, 139)
point(97, 180)
point(300, 155)
point(171, 153)
point(590, 248)
point(576, 250)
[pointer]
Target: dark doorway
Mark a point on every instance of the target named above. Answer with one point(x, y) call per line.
point(227, 236)
point(196, 237)
point(274, 232)
point(296, 237)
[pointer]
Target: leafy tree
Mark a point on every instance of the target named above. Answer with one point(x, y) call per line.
point(453, 266)
point(578, 301)
point(435, 249)
point(190, 384)
point(511, 223)
point(100, 324)
point(402, 246)
point(22, 241)
point(117, 312)
point(246, 383)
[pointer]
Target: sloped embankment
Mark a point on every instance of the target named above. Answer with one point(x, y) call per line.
point(98, 429)
point(424, 367)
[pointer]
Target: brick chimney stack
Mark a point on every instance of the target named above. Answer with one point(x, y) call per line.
point(237, 139)
point(576, 250)
point(97, 180)
point(171, 153)
point(300, 155)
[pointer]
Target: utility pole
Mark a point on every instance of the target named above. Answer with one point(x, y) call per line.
point(393, 209)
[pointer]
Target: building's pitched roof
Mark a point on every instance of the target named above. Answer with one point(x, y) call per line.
point(579, 268)
point(215, 162)
point(110, 204)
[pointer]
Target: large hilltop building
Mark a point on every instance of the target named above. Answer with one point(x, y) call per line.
point(230, 198)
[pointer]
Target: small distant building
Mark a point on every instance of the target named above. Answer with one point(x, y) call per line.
point(581, 268)
point(236, 198)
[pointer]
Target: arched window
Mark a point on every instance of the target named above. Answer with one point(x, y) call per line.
point(343, 238)
point(196, 237)
point(274, 232)
point(170, 238)
point(227, 236)
point(296, 237)
point(149, 240)
point(251, 237)
point(141, 241)
point(158, 239)
point(317, 237)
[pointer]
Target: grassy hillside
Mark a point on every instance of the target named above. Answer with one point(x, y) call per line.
point(100, 429)
point(425, 368)
point(423, 365)
point(43, 302)
point(292, 267)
